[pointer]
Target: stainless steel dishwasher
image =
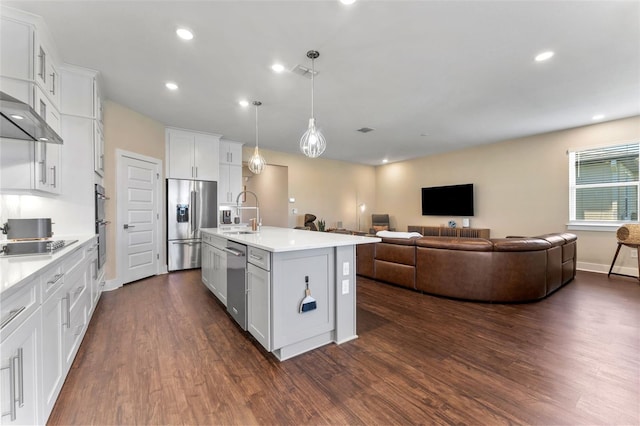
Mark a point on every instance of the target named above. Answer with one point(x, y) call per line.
point(237, 282)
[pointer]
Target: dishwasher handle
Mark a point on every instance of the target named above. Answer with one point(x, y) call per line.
point(233, 251)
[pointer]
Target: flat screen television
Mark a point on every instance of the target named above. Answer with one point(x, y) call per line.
point(451, 200)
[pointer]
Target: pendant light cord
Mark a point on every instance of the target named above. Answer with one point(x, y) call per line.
point(313, 72)
point(256, 126)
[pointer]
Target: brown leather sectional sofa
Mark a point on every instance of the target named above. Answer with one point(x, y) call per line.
point(496, 270)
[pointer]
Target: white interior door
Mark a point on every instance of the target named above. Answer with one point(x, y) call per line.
point(138, 215)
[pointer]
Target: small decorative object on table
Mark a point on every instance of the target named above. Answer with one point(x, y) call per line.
point(452, 224)
point(321, 225)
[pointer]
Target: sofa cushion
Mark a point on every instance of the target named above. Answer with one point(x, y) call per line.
point(395, 273)
point(466, 244)
point(554, 239)
point(402, 251)
point(520, 244)
point(365, 254)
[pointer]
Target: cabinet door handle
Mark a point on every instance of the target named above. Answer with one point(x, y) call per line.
point(53, 174)
point(53, 83)
point(43, 172)
point(101, 161)
point(20, 360)
point(127, 226)
point(67, 323)
point(55, 279)
point(12, 314)
point(78, 290)
point(255, 257)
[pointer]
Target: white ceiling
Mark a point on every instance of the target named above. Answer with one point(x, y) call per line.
point(428, 76)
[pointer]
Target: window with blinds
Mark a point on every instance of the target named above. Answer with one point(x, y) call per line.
point(603, 184)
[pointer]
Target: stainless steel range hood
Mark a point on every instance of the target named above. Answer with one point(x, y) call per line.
point(20, 121)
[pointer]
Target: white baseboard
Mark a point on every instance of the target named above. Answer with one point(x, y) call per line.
point(110, 285)
point(604, 269)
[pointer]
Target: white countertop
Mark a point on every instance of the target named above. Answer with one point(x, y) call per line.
point(285, 239)
point(19, 269)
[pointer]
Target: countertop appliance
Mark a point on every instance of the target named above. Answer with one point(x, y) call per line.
point(20, 121)
point(30, 248)
point(191, 205)
point(237, 282)
point(25, 229)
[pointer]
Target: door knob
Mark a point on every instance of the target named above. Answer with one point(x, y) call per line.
point(127, 226)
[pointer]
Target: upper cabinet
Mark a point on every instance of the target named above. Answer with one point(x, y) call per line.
point(230, 152)
point(81, 97)
point(28, 58)
point(29, 72)
point(192, 155)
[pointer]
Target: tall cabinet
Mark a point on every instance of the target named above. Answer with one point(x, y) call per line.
point(230, 184)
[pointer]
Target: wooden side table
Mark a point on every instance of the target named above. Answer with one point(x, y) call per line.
point(635, 246)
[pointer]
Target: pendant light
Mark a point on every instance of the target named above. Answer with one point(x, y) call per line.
point(312, 143)
point(257, 161)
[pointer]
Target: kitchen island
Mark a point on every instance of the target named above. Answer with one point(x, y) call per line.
point(279, 263)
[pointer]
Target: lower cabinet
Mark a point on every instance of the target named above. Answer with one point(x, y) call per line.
point(54, 317)
point(259, 304)
point(214, 266)
point(207, 266)
point(219, 274)
point(37, 354)
point(19, 357)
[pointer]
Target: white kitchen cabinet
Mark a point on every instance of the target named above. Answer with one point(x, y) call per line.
point(259, 304)
point(81, 97)
point(214, 266)
point(19, 359)
point(48, 162)
point(230, 183)
point(219, 274)
point(192, 155)
point(206, 263)
point(26, 167)
point(65, 316)
point(54, 317)
point(230, 152)
point(16, 48)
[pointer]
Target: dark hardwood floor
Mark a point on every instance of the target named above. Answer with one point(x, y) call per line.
point(164, 351)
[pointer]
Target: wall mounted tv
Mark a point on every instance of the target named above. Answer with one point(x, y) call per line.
point(451, 200)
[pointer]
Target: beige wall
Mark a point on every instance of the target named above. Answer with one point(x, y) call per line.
point(325, 188)
point(272, 188)
point(521, 186)
point(130, 131)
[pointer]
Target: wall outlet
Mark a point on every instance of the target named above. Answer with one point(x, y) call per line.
point(345, 268)
point(634, 253)
point(345, 286)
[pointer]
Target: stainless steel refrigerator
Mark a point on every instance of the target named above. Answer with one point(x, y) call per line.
point(191, 205)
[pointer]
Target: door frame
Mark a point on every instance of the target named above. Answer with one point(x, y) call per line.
point(120, 220)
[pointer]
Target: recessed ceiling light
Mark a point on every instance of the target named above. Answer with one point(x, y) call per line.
point(244, 103)
point(184, 34)
point(17, 117)
point(598, 117)
point(277, 68)
point(43, 139)
point(347, 1)
point(544, 56)
point(385, 161)
point(171, 85)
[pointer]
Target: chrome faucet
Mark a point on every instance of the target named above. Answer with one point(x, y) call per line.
point(257, 207)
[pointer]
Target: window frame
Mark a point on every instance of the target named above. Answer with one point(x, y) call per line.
point(596, 225)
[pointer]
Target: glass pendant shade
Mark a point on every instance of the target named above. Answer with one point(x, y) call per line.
point(257, 162)
point(312, 143)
